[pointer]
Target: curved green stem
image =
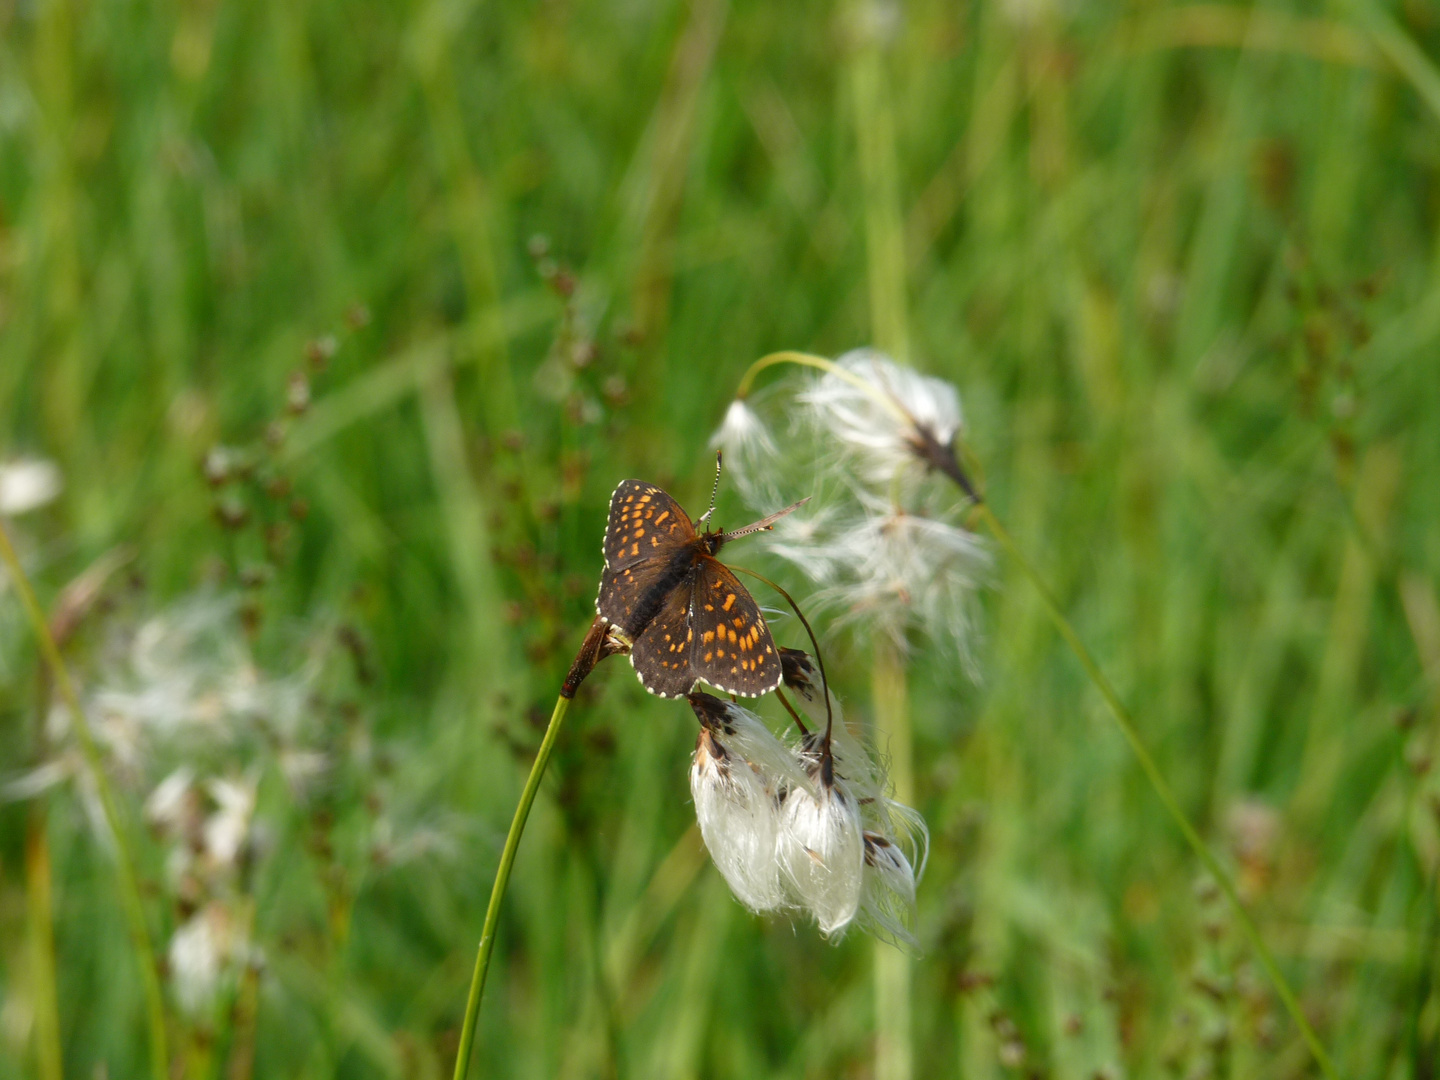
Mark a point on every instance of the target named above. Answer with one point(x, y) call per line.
point(804, 359)
point(1162, 790)
point(125, 863)
point(497, 892)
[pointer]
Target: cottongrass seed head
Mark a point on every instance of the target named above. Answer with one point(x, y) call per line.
point(27, 484)
point(883, 420)
point(874, 445)
point(738, 777)
point(206, 954)
point(790, 832)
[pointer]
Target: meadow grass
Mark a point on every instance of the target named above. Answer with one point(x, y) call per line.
point(1180, 261)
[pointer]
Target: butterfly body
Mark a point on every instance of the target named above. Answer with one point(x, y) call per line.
point(686, 614)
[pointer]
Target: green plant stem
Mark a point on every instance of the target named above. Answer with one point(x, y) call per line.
point(821, 363)
point(497, 892)
point(890, 327)
point(894, 1055)
point(1162, 789)
point(125, 863)
point(879, 181)
point(41, 931)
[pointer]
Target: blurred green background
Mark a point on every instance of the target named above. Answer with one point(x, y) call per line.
point(1181, 261)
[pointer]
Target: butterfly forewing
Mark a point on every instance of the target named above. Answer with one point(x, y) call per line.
point(644, 522)
point(732, 649)
point(648, 550)
point(662, 653)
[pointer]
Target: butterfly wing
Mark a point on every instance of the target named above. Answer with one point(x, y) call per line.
point(661, 655)
point(732, 649)
point(649, 545)
point(644, 522)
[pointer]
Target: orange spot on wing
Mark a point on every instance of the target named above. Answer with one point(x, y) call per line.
point(729, 601)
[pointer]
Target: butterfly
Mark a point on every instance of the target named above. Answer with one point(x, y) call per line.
point(686, 614)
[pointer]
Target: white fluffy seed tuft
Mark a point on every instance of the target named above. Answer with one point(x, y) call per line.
point(879, 437)
point(738, 778)
point(738, 811)
point(823, 854)
point(27, 484)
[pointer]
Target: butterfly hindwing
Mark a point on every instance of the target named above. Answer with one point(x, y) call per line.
point(662, 652)
point(732, 648)
point(644, 523)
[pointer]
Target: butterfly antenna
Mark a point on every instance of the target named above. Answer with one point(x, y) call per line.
point(714, 492)
point(766, 523)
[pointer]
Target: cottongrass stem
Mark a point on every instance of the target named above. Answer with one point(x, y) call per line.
point(599, 643)
point(889, 402)
point(1162, 789)
point(124, 862)
point(502, 879)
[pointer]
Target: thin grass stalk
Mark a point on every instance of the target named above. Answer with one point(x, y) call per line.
point(894, 1055)
point(240, 1060)
point(1162, 789)
point(40, 918)
point(884, 231)
point(497, 892)
point(124, 861)
point(40, 929)
point(889, 318)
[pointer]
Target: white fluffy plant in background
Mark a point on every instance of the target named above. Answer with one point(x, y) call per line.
point(197, 725)
point(185, 679)
point(209, 828)
point(27, 484)
point(873, 443)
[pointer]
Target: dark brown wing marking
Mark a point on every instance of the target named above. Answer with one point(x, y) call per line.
point(644, 522)
point(733, 649)
point(630, 595)
point(662, 653)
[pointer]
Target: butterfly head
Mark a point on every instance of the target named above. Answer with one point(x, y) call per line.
point(712, 540)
